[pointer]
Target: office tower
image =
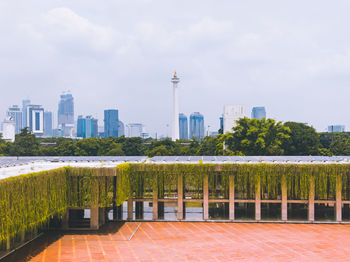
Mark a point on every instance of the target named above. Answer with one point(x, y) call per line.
point(25, 103)
point(183, 125)
point(111, 123)
point(196, 126)
point(86, 126)
point(9, 128)
point(66, 114)
point(231, 114)
point(134, 130)
point(15, 114)
point(95, 128)
point(48, 124)
point(259, 112)
point(175, 134)
point(35, 119)
point(221, 125)
point(336, 128)
point(121, 129)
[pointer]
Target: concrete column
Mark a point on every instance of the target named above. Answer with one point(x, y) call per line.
point(23, 236)
point(205, 197)
point(312, 199)
point(180, 194)
point(65, 220)
point(94, 222)
point(130, 209)
point(102, 215)
point(284, 206)
point(155, 201)
point(8, 243)
point(232, 197)
point(258, 202)
point(338, 205)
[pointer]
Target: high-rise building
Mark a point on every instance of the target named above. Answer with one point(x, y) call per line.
point(196, 126)
point(134, 130)
point(35, 115)
point(231, 114)
point(176, 133)
point(48, 124)
point(95, 128)
point(259, 112)
point(66, 114)
point(121, 129)
point(15, 114)
point(111, 123)
point(25, 103)
point(183, 125)
point(9, 127)
point(86, 126)
point(336, 128)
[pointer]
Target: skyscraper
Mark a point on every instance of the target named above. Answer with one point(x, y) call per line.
point(121, 129)
point(111, 122)
point(15, 114)
point(48, 124)
point(25, 103)
point(66, 114)
point(231, 114)
point(134, 130)
point(336, 128)
point(175, 134)
point(95, 127)
point(183, 125)
point(196, 125)
point(35, 115)
point(86, 127)
point(259, 112)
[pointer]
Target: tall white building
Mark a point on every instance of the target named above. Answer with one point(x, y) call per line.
point(231, 114)
point(35, 114)
point(134, 129)
point(15, 113)
point(9, 130)
point(176, 131)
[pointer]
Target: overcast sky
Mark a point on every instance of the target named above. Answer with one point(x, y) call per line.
point(293, 57)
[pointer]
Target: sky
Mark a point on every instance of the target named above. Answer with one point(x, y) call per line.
point(293, 57)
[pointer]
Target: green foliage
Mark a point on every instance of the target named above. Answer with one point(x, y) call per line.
point(303, 140)
point(257, 137)
point(25, 144)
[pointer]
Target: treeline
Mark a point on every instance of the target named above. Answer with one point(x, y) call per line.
point(249, 137)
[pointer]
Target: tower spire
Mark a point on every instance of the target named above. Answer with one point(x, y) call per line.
point(176, 132)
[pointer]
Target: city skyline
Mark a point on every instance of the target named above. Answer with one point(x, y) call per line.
point(233, 53)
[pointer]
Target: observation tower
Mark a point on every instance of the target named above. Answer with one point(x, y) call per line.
point(175, 133)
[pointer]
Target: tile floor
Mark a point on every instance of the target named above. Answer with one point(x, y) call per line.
point(185, 241)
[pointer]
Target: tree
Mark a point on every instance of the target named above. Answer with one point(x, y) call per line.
point(257, 137)
point(133, 146)
point(208, 146)
point(303, 140)
point(116, 150)
point(340, 146)
point(25, 144)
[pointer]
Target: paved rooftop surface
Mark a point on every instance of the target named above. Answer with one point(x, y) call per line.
point(184, 241)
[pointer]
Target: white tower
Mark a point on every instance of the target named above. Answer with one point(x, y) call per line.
point(176, 133)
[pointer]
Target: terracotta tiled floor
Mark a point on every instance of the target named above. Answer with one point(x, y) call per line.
point(175, 241)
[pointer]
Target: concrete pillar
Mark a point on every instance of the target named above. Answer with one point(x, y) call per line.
point(155, 201)
point(258, 202)
point(94, 221)
point(284, 205)
point(23, 236)
point(338, 196)
point(205, 197)
point(180, 195)
point(65, 220)
point(312, 199)
point(232, 197)
point(130, 209)
point(8, 243)
point(102, 215)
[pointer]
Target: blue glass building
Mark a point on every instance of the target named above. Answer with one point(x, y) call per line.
point(48, 124)
point(86, 127)
point(259, 112)
point(336, 128)
point(183, 126)
point(196, 126)
point(111, 123)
